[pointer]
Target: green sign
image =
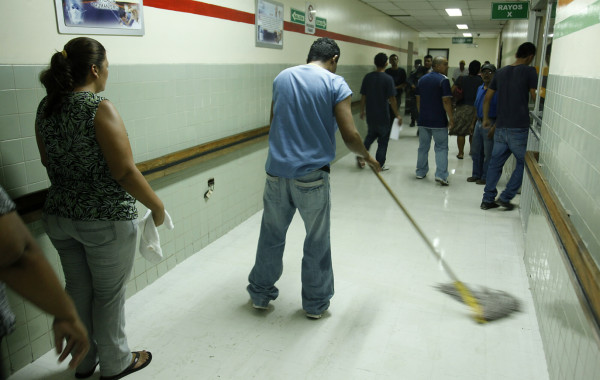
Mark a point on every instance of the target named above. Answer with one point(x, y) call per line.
point(321, 23)
point(296, 16)
point(462, 40)
point(510, 10)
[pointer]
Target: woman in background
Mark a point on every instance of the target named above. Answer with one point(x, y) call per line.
point(90, 214)
point(464, 114)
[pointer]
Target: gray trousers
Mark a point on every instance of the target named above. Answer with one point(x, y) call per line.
point(97, 258)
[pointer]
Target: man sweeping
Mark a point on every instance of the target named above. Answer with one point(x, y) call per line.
point(308, 100)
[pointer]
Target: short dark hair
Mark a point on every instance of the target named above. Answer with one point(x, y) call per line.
point(380, 60)
point(393, 55)
point(322, 50)
point(525, 50)
point(474, 67)
point(428, 56)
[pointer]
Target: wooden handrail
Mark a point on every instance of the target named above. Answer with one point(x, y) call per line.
point(584, 266)
point(29, 206)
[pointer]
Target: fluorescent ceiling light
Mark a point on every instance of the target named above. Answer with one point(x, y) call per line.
point(467, 35)
point(453, 12)
point(462, 26)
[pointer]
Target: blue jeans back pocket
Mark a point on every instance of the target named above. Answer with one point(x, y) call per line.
point(272, 189)
point(312, 191)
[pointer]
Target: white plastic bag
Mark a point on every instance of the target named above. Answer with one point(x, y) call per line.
point(396, 129)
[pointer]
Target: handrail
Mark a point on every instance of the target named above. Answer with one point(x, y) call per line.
point(584, 267)
point(29, 206)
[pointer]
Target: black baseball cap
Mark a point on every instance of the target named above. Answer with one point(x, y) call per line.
point(488, 66)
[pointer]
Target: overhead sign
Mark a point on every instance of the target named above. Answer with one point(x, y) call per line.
point(309, 20)
point(296, 16)
point(321, 23)
point(462, 40)
point(510, 10)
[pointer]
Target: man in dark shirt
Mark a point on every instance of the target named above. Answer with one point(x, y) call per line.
point(413, 80)
point(399, 75)
point(483, 143)
point(434, 101)
point(515, 85)
point(379, 98)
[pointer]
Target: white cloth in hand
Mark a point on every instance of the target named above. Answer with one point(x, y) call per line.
point(149, 239)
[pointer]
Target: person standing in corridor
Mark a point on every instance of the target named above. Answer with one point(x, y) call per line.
point(378, 96)
point(515, 85)
point(434, 99)
point(309, 103)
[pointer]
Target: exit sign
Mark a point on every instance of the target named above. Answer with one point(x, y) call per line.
point(510, 10)
point(462, 40)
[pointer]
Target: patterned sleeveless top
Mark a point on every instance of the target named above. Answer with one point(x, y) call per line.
point(82, 187)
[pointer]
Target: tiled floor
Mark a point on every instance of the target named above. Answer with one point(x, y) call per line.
point(386, 321)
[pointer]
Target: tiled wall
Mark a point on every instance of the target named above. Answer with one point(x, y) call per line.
point(570, 161)
point(164, 111)
point(570, 342)
point(570, 152)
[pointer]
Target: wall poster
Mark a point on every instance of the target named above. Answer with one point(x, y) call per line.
point(269, 24)
point(121, 17)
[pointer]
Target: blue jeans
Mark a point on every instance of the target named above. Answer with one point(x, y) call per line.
point(309, 194)
point(506, 141)
point(481, 151)
point(382, 134)
point(97, 258)
point(440, 138)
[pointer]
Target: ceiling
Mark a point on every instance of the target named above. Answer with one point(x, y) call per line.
point(430, 19)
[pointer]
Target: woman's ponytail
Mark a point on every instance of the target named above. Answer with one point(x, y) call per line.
point(69, 69)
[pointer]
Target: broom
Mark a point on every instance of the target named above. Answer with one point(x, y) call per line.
point(487, 304)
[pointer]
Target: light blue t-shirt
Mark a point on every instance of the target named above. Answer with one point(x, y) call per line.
point(302, 135)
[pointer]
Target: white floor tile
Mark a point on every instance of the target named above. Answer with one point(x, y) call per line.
point(386, 320)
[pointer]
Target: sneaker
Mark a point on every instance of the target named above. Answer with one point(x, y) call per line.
point(421, 176)
point(384, 168)
point(442, 182)
point(488, 205)
point(507, 205)
point(480, 182)
point(313, 316)
point(472, 179)
point(360, 162)
point(260, 307)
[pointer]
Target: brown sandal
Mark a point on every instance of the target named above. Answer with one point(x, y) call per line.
point(131, 369)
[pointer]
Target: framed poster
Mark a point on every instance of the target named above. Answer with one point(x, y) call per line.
point(439, 53)
point(269, 24)
point(121, 17)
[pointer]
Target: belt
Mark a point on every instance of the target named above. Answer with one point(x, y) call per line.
point(491, 118)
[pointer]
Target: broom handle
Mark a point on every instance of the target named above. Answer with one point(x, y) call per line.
point(416, 226)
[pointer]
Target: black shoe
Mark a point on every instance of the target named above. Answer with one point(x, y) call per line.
point(488, 205)
point(412, 123)
point(480, 182)
point(472, 179)
point(507, 205)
